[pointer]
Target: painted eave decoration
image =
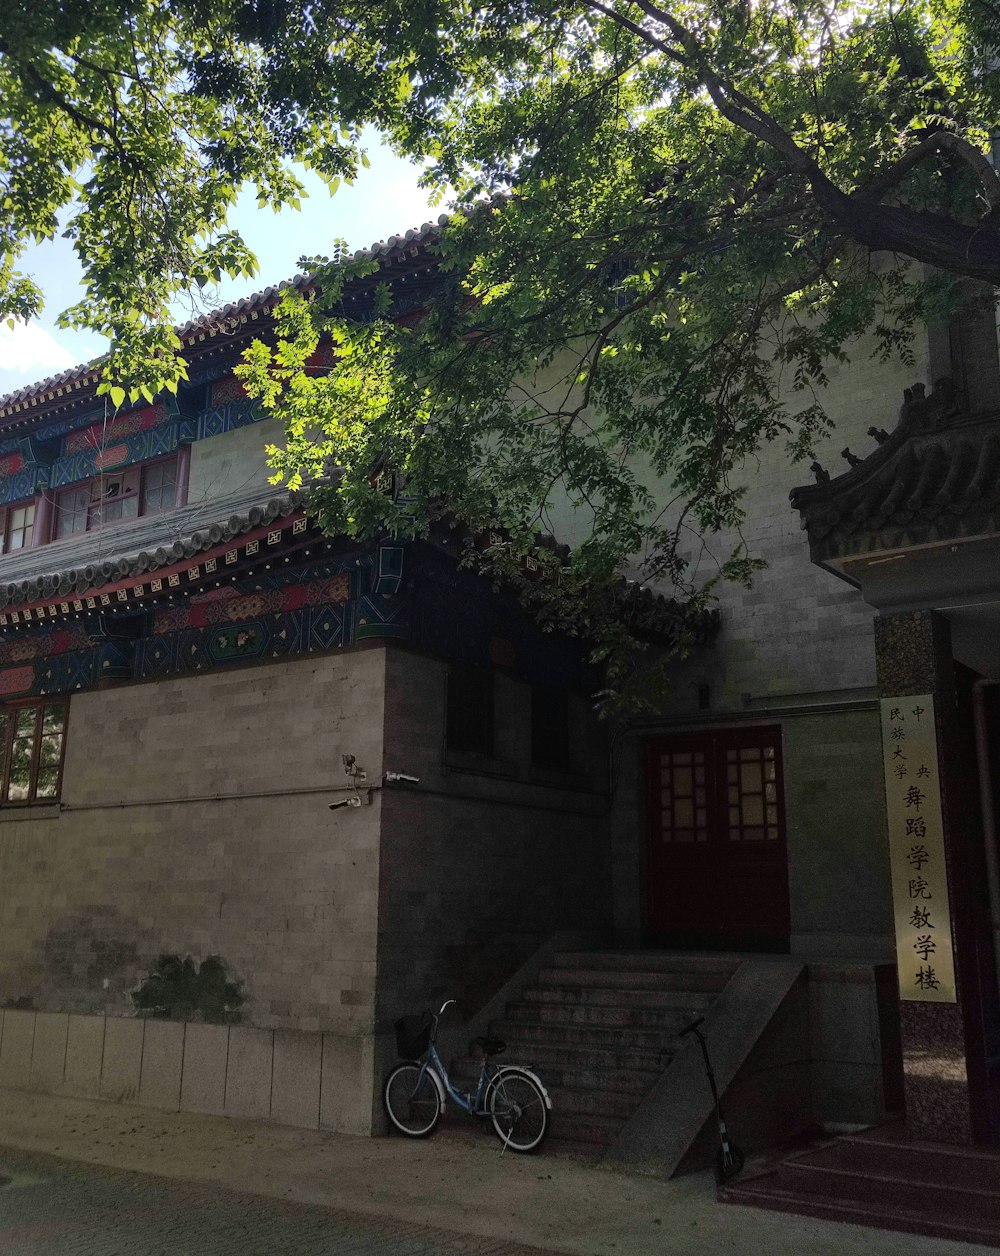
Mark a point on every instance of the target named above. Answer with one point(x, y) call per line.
point(160, 556)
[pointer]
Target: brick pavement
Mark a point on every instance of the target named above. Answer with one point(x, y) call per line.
point(52, 1207)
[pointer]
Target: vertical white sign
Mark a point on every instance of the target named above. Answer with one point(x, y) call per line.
point(924, 954)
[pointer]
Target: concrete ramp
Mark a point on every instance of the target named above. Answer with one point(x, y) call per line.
point(757, 1029)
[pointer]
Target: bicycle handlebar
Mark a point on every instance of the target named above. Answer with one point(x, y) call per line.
point(436, 1016)
point(692, 1027)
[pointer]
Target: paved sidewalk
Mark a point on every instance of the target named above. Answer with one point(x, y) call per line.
point(452, 1184)
point(53, 1207)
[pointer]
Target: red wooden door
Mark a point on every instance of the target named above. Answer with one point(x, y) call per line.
point(717, 868)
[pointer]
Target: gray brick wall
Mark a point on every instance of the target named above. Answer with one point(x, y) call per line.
point(479, 869)
point(235, 460)
point(284, 889)
point(799, 629)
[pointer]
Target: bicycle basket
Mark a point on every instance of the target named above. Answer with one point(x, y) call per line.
point(413, 1035)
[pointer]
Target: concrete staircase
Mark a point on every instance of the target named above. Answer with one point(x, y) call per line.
point(601, 1027)
point(885, 1178)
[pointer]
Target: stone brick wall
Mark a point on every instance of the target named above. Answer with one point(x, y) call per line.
point(236, 460)
point(141, 858)
point(838, 857)
point(480, 863)
point(798, 631)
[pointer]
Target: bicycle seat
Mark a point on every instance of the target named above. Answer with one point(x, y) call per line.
point(490, 1046)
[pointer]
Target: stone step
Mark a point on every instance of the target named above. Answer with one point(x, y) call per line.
point(603, 1103)
point(549, 1055)
point(579, 1127)
point(559, 1071)
point(912, 1193)
point(706, 982)
point(648, 961)
point(762, 1192)
point(525, 1033)
point(966, 1167)
point(613, 996)
point(669, 1021)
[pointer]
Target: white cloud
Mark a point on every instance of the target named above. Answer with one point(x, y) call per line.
point(30, 351)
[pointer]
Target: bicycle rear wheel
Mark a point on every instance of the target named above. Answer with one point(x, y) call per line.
point(412, 1102)
point(517, 1108)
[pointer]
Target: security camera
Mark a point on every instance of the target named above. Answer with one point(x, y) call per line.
point(401, 776)
point(351, 768)
point(353, 801)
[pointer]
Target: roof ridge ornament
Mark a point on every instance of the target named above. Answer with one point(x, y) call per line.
point(922, 412)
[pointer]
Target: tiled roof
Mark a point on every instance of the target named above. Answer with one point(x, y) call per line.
point(77, 378)
point(653, 616)
point(122, 552)
point(647, 613)
point(936, 477)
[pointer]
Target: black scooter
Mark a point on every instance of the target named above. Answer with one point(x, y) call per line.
point(729, 1158)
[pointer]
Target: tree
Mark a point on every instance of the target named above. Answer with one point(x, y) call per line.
point(693, 197)
point(131, 126)
point(702, 201)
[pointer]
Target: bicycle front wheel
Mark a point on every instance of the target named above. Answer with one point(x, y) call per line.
point(411, 1101)
point(517, 1108)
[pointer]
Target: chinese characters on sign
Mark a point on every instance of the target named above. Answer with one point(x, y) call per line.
point(916, 850)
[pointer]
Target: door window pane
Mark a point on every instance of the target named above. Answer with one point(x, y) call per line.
point(159, 484)
point(51, 750)
point(48, 783)
point(19, 782)
point(20, 521)
point(114, 497)
point(72, 512)
point(682, 797)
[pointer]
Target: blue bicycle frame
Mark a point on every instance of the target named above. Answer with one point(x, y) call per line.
point(473, 1104)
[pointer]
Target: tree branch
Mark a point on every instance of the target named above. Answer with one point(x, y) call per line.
point(947, 243)
point(940, 141)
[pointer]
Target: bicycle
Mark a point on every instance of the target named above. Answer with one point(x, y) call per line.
point(416, 1091)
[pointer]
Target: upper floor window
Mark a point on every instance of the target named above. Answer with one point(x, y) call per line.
point(550, 746)
point(16, 523)
point(125, 494)
point(469, 716)
point(32, 738)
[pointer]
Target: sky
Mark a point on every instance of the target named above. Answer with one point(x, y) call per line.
point(385, 200)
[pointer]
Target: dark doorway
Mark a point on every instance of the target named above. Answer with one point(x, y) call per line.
point(717, 865)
